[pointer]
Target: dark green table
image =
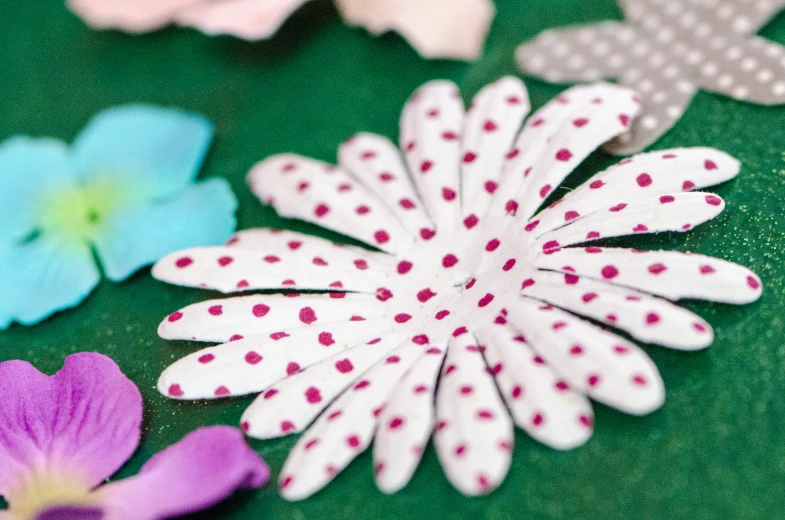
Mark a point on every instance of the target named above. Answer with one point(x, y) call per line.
point(716, 449)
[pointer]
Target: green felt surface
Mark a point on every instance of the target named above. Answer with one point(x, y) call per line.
point(715, 450)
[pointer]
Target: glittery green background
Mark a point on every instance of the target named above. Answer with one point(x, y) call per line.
point(715, 450)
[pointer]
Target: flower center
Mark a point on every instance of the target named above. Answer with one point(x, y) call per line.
point(76, 212)
point(41, 490)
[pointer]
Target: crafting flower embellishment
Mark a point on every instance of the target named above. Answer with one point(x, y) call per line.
point(667, 50)
point(124, 191)
point(435, 28)
point(473, 301)
point(65, 434)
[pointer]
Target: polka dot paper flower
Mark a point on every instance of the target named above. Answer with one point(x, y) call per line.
point(435, 28)
point(474, 301)
point(66, 434)
point(124, 192)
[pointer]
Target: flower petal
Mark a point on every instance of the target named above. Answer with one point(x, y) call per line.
point(375, 162)
point(128, 15)
point(251, 365)
point(557, 138)
point(606, 367)
point(157, 151)
point(234, 268)
point(41, 277)
point(669, 274)
point(202, 469)
point(317, 192)
point(491, 125)
point(83, 422)
point(431, 123)
point(435, 28)
point(137, 236)
point(68, 513)
point(345, 429)
point(474, 436)
point(645, 318)
point(541, 403)
point(252, 316)
point(674, 212)
point(645, 175)
point(29, 170)
point(300, 397)
point(406, 423)
point(564, 56)
point(248, 19)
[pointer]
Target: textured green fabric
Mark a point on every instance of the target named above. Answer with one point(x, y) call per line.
point(714, 450)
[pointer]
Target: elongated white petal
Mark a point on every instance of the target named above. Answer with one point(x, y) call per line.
point(557, 138)
point(669, 274)
point(317, 192)
point(674, 212)
point(406, 423)
point(345, 429)
point(643, 317)
point(492, 123)
point(248, 19)
point(290, 405)
point(643, 176)
point(249, 316)
point(232, 269)
point(431, 126)
point(474, 436)
point(375, 162)
point(251, 365)
point(606, 367)
point(541, 403)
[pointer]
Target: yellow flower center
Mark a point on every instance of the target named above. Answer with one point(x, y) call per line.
point(43, 489)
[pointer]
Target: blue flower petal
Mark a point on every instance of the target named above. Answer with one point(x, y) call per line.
point(158, 150)
point(137, 236)
point(41, 277)
point(29, 169)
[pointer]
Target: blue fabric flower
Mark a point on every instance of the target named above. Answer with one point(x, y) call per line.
point(122, 194)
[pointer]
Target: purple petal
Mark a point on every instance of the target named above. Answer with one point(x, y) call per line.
point(84, 421)
point(205, 467)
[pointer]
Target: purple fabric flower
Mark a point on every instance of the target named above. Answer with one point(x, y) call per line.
point(63, 435)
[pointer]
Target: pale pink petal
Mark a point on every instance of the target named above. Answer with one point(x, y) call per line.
point(554, 53)
point(248, 19)
point(645, 175)
point(376, 163)
point(345, 429)
point(317, 192)
point(669, 274)
point(591, 360)
point(233, 269)
point(250, 316)
point(674, 212)
point(645, 318)
point(435, 28)
point(406, 423)
point(431, 126)
point(541, 403)
point(491, 126)
point(128, 15)
point(302, 396)
point(474, 432)
point(557, 138)
point(251, 365)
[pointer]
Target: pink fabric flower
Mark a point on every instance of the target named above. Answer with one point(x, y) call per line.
point(435, 28)
point(63, 435)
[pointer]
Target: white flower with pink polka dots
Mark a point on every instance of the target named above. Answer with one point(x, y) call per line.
point(465, 323)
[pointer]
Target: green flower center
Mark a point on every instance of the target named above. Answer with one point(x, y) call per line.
point(44, 489)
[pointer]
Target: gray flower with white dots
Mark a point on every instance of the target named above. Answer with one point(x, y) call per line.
point(667, 50)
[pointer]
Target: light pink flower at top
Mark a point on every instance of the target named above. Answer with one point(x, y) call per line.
point(480, 310)
point(435, 28)
point(63, 435)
